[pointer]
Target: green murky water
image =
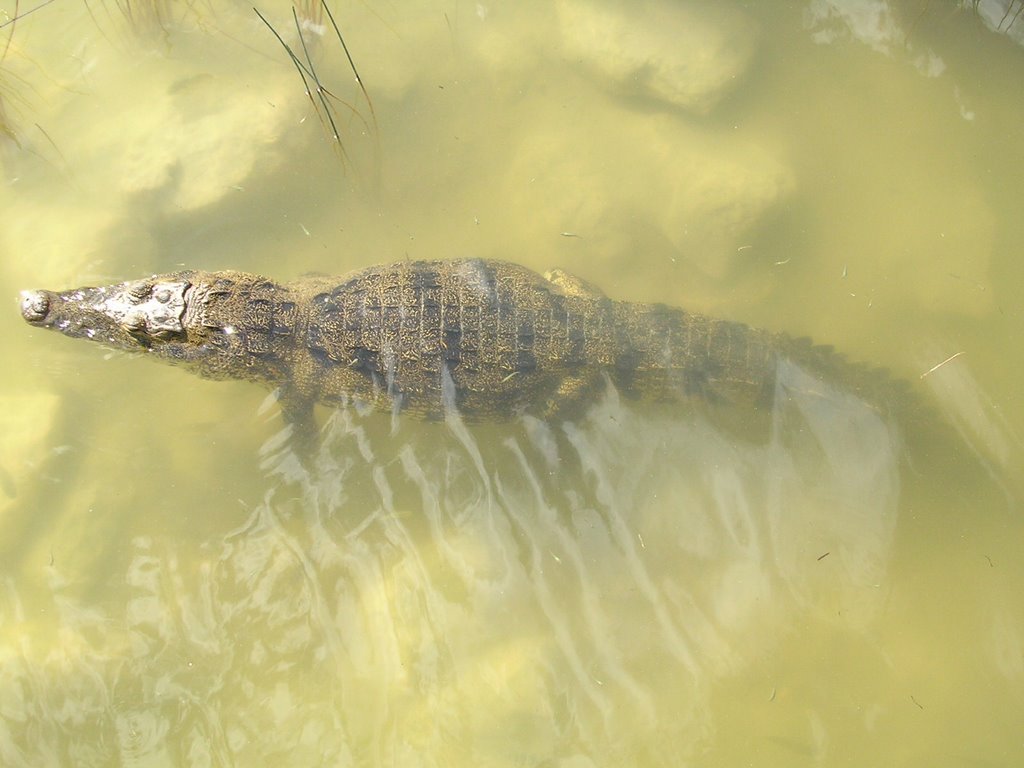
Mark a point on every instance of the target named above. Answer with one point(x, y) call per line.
point(645, 587)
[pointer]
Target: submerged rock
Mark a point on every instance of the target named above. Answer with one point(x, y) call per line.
point(680, 54)
point(627, 175)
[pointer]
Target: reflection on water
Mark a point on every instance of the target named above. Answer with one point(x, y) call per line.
point(649, 585)
point(498, 595)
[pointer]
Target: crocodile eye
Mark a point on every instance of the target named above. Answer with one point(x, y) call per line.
point(139, 291)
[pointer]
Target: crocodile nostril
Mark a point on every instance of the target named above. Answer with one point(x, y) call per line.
point(34, 305)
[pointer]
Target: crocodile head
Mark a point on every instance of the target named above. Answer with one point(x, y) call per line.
point(134, 316)
point(210, 322)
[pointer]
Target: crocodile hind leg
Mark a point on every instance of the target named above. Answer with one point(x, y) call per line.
point(297, 414)
point(577, 391)
point(575, 394)
point(571, 285)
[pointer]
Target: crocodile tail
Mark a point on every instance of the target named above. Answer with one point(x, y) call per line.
point(669, 354)
point(876, 387)
point(665, 353)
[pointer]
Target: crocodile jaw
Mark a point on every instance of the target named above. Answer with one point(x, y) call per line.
point(129, 316)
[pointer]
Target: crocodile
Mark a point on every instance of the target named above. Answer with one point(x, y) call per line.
point(487, 339)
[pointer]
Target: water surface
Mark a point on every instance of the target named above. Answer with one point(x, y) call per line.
point(650, 585)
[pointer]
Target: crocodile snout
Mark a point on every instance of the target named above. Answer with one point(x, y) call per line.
point(35, 305)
